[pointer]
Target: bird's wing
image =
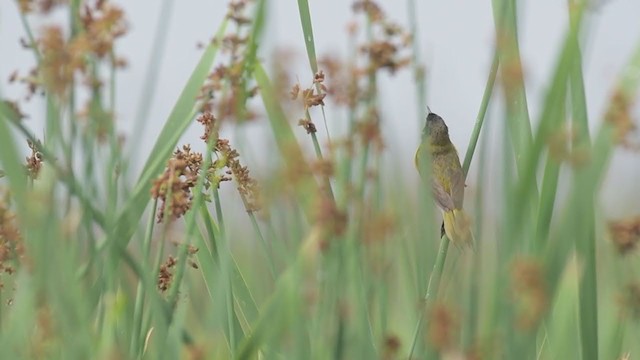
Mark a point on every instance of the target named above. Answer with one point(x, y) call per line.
point(457, 186)
point(441, 197)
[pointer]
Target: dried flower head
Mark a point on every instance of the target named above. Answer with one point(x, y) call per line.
point(311, 98)
point(529, 292)
point(369, 129)
point(63, 57)
point(11, 245)
point(174, 186)
point(391, 347)
point(34, 162)
point(378, 227)
point(443, 327)
point(342, 81)
point(384, 50)
point(560, 148)
point(625, 234)
point(331, 219)
point(228, 88)
point(237, 12)
point(295, 90)
point(324, 168)
point(630, 301)
point(308, 125)
point(42, 6)
point(619, 115)
point(60, 60)
point(372, 9)
point(103, 25)
point(165, 275)
point(68, 58)
point(209, 122)
point(247, 186)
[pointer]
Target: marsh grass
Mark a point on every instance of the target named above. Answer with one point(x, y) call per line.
point(334, 259)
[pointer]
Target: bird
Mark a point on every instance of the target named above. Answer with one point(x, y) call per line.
point(446, 178)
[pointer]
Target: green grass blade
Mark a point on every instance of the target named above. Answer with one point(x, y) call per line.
point(307, 30)
point(9, 156)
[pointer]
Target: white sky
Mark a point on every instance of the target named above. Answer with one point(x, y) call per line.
point(456, 38)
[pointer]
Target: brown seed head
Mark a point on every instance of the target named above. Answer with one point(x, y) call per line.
point(619, 115)
point(331, 219)
point(529, 292)
point(165, 275)
point(625, 234)
point(630, 301)
point(34, 162)
point(209, 122)
point(11, 245)
point(174, 186)
point(443, 327)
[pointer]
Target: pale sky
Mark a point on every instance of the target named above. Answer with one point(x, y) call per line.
point(456, 38)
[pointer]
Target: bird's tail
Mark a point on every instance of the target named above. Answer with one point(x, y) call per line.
point(458, 228)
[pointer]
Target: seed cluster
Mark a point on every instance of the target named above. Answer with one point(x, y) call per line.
point(630, 300)
point(443, 327)
point(247, 186)
point(11, 246)
point(312, 96)
point(64, 57)
point(226, 90)
point(34, 162)
point(165, 273)
point(174, 186)
point(619, 115)
point(625, 234)
point(529, 292)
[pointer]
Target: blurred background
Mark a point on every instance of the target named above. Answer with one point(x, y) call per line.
point(456, 40)
point(372, 286)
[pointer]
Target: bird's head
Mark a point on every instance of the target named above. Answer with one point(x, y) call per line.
point(436, 130)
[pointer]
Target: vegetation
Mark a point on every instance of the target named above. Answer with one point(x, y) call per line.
point(335, 257)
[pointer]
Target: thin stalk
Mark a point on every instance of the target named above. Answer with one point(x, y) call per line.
point(316, 146)
point(219, 215)
point(484, 105)
point(32, 39)
point(136, 335)
point(229, 285)
point(586, 244)
point(307, 30)
point(438, 267)
point(66, 176)
point(267, 247)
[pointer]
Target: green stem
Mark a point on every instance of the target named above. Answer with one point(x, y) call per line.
point(438, 268)
point(484, 105)
point(32, 39)
point(66, 176)
point(136, 335)
point(267, 247)
point(434, 285)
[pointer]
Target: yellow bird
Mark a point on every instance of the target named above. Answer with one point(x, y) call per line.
point(447, 179)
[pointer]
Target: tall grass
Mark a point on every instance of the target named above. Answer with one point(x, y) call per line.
point(334, 258)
